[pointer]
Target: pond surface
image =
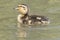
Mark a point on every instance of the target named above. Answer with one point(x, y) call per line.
point(9, 29)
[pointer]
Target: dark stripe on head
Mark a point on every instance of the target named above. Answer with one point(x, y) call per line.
point(24, 4)
point(27, 7)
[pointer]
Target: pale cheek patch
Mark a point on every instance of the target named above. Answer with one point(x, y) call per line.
point(21, 10)
point(39, 18)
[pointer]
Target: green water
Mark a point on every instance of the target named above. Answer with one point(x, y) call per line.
point(8, 20)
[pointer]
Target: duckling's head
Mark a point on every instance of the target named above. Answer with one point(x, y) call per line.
point(23, 8)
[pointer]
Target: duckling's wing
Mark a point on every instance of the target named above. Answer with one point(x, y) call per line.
point(36, 17)
point(39, 19)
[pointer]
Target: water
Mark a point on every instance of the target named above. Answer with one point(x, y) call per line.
point(42, 33)
point(9, 29)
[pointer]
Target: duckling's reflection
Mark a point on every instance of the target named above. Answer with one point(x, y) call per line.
point(21, 31)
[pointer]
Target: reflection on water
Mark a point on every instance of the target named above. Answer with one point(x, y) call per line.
point(21, 31)
point(38, 32)
point(9, 30)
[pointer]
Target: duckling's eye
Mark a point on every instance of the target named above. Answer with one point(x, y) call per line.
point(23, 7)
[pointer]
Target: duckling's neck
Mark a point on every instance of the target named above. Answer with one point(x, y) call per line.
point(25, 15)
point(21, 17)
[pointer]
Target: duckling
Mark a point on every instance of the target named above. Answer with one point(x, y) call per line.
point(24, 18)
